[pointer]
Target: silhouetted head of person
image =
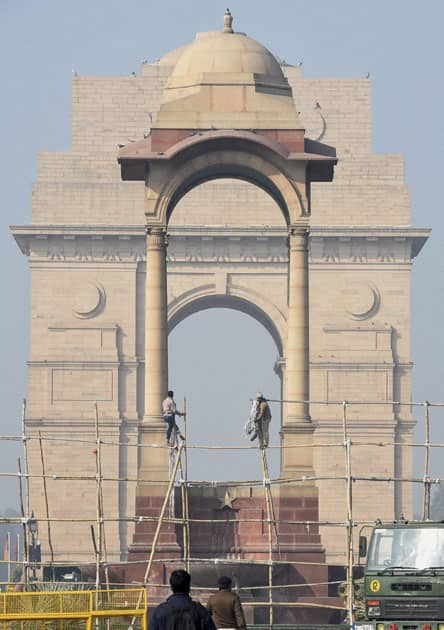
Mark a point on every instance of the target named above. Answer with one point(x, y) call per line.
point(170, 393)
point(224, 583)
point(180, 581)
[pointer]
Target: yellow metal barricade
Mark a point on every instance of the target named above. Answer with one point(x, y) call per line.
point(113, 609)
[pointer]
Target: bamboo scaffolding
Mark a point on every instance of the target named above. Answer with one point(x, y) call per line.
point(24, 526)
point(427, 480)
point(269, 496)
point(178, 520)
point(185, 521)
point(238, 482)
point(185, 495)
point(270, 521)
point(183, 468)
point(162, 514)
point(220, 561)
point(99, 547)
point(25, 455)
point(181, 465)
point(349, 511)
point(185, 432)
point(25, 515)
point(159, 526)
point(227, 447)
point(45, 494)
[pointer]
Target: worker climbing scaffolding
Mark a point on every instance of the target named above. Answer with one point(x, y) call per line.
point(170, 411)
point(258, 423)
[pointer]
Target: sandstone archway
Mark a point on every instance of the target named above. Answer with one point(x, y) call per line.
point(203, 298)
point(228, 155)
point(227, 111)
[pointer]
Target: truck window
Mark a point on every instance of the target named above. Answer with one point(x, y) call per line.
point(410, 547)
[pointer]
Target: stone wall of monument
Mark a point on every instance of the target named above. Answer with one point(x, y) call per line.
point(86, 250)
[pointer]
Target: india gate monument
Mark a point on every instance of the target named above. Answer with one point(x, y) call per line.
point(218, 176)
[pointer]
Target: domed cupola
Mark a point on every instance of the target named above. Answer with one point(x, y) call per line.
point(225, 79)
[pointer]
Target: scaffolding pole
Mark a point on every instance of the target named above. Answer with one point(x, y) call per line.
point(162, 514)
point(101, 544)
point(159, 526)
point(25, 455)
point(427, 480)
point(25, 514)
point(45, 494)
point(269, 497)
point(24, 525)
point(349, 509)
point(183, 469)
point(271, 523)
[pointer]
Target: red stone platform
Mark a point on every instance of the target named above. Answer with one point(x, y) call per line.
point(234, 542)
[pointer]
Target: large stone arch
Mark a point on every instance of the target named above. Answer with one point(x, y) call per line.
point(229, 157)
point(213, 125)
point(172, 162)
point(203, 298)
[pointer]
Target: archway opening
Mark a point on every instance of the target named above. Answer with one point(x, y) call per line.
point(219, 358)
point(227, 261)
point(234, 173)
point(228, 202)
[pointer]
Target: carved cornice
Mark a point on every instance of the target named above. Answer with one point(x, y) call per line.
point(220, 244)
point(366, 245)
point(182, 248)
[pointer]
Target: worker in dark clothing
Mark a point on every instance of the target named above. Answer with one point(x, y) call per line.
point(259, 422)
point(225, 607)
point(179, 611)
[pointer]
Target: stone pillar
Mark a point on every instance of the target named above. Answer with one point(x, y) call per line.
point(297, 366)
point(297, 426)
point(153, 462)
point(156, 325)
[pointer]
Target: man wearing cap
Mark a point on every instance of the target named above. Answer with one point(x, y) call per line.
point(262, 420)
point(225, 607)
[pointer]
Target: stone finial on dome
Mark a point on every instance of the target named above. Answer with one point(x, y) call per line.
point(228, 21)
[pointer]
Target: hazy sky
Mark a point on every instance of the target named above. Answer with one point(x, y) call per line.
point(399, 42)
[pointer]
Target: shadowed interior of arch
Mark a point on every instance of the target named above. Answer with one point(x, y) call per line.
point(230, 172)
point(219, 358)
point(226, 200)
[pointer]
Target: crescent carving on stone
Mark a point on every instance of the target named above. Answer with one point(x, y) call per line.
point(89, 300)
point(363, 301)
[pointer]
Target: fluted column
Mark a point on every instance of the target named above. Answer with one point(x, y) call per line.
point(297, 370)
point(156, 325)
point(297, 430)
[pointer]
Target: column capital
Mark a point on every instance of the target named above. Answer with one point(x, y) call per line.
point(156, 237)
point(298, 237)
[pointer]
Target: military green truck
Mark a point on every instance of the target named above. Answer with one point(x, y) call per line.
point(404, 576)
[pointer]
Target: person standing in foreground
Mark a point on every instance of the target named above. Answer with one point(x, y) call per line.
point(170, 411)
point(225, 607)
point(179, 611)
